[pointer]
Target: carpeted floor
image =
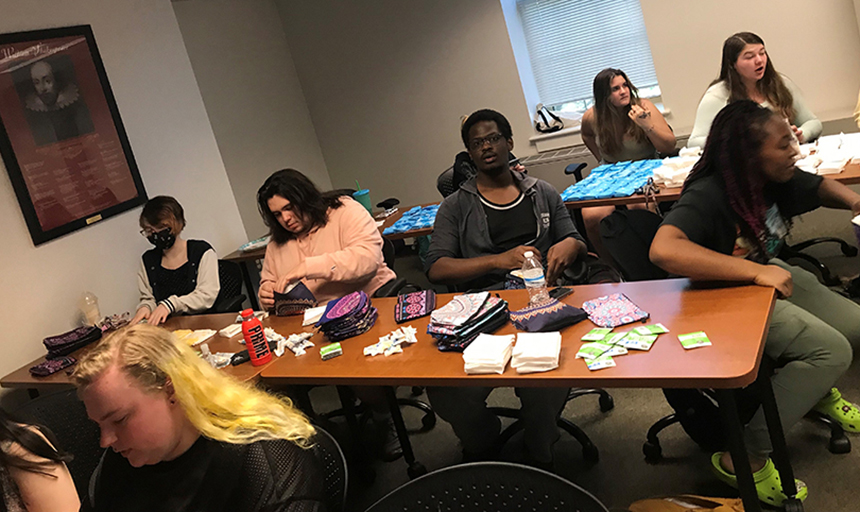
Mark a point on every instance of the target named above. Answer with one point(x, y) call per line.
point(622, 475)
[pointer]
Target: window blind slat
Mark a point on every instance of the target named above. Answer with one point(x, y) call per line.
point(570, 41)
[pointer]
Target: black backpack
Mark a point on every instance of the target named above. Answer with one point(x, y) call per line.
point(627, 235)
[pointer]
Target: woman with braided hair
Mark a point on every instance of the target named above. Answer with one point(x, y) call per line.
point(729, 225)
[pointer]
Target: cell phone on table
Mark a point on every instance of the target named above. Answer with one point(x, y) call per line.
point(560, 292)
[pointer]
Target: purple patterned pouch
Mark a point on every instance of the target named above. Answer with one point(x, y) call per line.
point(345, 306)
point(70, 341)
point(613, 310)
point(52, 366)
point(414, 305)
point(547, 316)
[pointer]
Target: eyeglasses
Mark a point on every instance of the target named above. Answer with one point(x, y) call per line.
point(493, 139)
point(146, 232)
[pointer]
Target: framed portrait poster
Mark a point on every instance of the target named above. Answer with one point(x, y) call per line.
point(61, 136)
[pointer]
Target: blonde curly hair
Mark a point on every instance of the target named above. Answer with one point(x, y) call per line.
point(219, 406)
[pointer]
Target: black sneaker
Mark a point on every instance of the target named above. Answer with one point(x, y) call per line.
point(389, 447)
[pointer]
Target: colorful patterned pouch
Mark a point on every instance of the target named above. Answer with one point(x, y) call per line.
point(295, 301)
point(66, 343)
point(414, 305)
point(613, 310)
point(52, 366)
point(547, 316)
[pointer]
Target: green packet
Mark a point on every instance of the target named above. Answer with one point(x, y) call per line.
point(615, 338)
point(331, 350)
point(597, 334)
point(645, 330)
point(590, 351)
point(638, 342)
point(600, 363)
point(694, 340)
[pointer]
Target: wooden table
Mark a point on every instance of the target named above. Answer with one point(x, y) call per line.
point(21, 377)
point(736, 320)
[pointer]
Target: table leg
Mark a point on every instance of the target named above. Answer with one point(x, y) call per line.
point(347, 402)
point(777, 438)
point(249, 286)
point(740, 459)
point(414, 468)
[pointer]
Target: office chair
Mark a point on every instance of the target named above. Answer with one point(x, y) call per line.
point(627, 235)
point(489, 486)
point(65, 415)
point(335, 472)
point(230, 297)
point(827, 278)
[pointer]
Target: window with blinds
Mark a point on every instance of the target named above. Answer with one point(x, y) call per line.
point(570, 41)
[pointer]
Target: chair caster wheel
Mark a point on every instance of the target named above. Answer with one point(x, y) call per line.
point(417, 390)
point(429, 421)
point(653, 452)
point(590, 453)
point(849, 251)
point(607, 403)
point(839, 445)
point(415, 470)
point(792, 505)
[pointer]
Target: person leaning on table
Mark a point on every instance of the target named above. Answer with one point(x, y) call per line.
point(747, 73)
point(732, 219)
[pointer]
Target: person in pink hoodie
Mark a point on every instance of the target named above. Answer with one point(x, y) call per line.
point(329, 242)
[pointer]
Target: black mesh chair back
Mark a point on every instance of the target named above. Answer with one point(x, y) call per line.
point(230, 297)
point(445, 182)
point(488, 487)
point(333, 464)
point(65, 415)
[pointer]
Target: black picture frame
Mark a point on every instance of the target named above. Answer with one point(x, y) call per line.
point(61, 136)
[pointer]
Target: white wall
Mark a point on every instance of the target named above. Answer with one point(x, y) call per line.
point(252, 94)
point(387, 81)
point(173, 144)
point(816, 44)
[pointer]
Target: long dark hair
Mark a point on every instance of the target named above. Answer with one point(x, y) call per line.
point(304, 197)
point(12, 431)
point(733, 153)
point(771, 84)
point(613, 122)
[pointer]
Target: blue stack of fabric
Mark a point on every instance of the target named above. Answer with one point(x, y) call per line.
point(417, 218)
point(621, 179)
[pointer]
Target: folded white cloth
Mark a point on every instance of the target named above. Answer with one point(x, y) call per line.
point(536, 351)
point(488, 354)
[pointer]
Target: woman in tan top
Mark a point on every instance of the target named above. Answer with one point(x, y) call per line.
point(33, 474)
point(620, 127)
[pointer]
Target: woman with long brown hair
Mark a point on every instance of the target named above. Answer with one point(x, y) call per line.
point(620, 127)
point(747, 73)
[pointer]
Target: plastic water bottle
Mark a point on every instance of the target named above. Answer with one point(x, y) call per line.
point(534, 279)
point(255, 339)
point(89, 306)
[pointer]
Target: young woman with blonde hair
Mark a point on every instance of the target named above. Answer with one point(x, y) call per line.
point(184, 436)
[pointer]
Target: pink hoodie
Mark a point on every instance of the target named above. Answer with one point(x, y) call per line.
point(341, 257)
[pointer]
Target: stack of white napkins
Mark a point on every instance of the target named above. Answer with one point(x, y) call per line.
point(536, 351)
point(488, 354)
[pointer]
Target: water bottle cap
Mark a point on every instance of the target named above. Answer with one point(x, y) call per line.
point(528, 254)
point(248, 312)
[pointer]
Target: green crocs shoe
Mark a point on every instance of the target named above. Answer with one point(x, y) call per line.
point(841, 410)
point(767, 482)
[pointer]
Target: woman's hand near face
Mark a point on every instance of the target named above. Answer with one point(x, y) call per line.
point(798, 133)
point(641, 116)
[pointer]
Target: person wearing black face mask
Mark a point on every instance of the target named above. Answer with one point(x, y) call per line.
point(177, 275)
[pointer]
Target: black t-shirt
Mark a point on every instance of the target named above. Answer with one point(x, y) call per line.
point(512, 224)
point(266, 476)
point(704, 214)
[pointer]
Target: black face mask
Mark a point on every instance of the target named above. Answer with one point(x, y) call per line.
point(163, 239)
